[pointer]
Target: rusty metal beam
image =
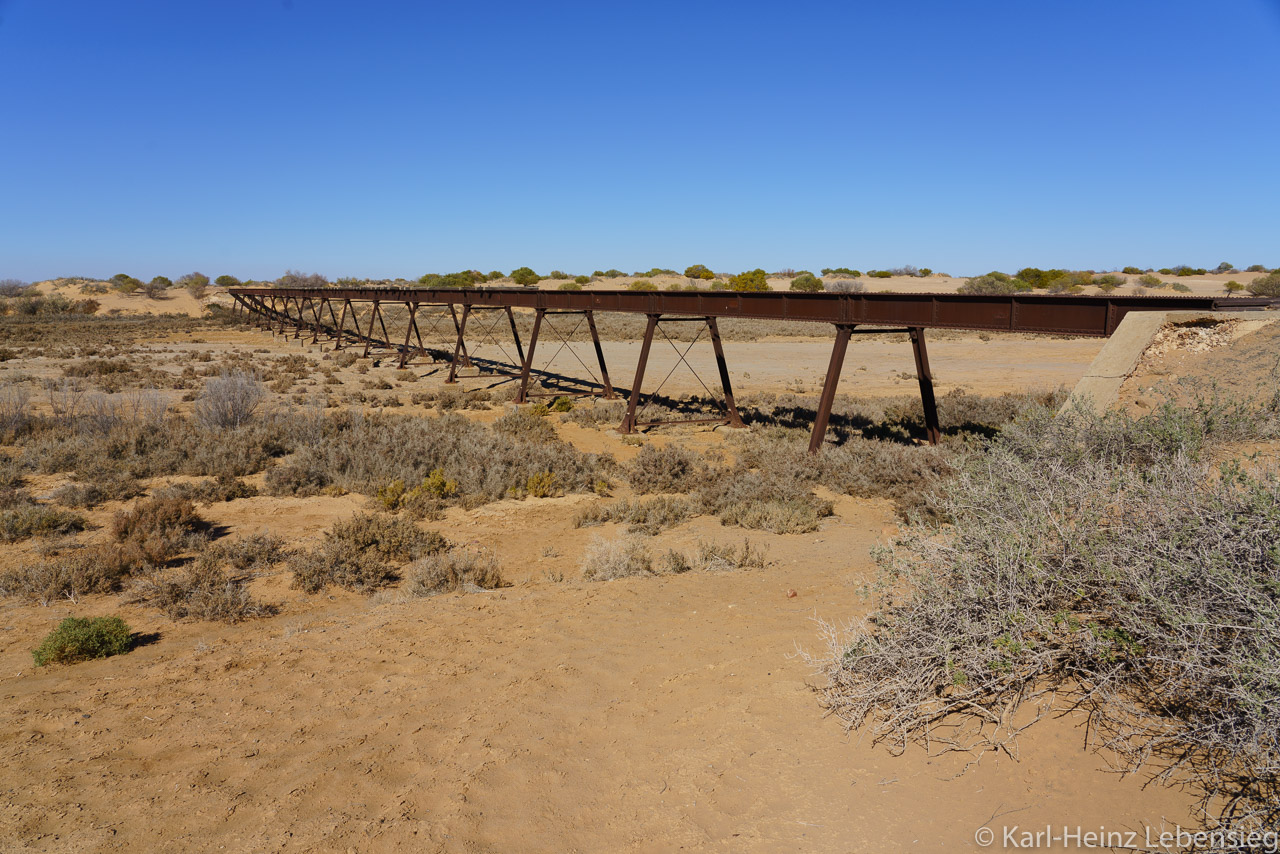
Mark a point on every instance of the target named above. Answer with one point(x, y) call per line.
point(1030, 312)
point(925, 376)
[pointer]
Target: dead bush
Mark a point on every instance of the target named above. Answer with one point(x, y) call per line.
point(228, 401)
point(15, 411)
point(156, 530)
point(80, 495)
point(365, 453)
point(359, 554)
point(709, 557)
point(296, 479)
point(25, 519)
point(666, 469)
point(770, 502)
point(68, 575)
point(640, 516)
point(252, 553)
point(12, 474)
point(459, 568)
point(221, 488)
point(203, 591)
point(526, 426)
point(606, 560)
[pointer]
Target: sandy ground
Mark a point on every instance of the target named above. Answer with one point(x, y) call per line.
point(638, 715)
point(650, 714)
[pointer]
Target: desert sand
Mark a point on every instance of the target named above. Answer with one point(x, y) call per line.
point(644, 714)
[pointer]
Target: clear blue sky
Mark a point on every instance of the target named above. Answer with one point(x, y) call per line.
point(395, 138)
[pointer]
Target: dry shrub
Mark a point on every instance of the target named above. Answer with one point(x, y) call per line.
point(118, 450)
point(606, 560)
point(459, 568)
point(907, 475)
point(297, 479)
point(763, 500)
point(24, 519)
point(709, 557)
point(12, 474)
point(358, 554)
point(203, 591)
point(525, 425)
point(228, 401)
point(221, 488)
point(667, 469)
point(156, 530)
point(1100, 560)
point(80, 495)
point(15, 412)
point(649, 516)
point(68, 575)
point(363, 453)
point(252, 553)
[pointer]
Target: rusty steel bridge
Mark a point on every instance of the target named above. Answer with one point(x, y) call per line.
point(337, 314)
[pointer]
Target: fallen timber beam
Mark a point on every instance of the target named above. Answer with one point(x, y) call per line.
point(1090, 316)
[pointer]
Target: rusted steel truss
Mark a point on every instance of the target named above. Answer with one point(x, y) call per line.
point(312, 311)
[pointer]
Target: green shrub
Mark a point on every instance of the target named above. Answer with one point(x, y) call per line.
point(525, 276)
point(1266, 286)
point(581, 280)
point(752, 280)
point(1132, 271)
point(1181, 288)
point(542, 484)
point(81, 639)
point(1148, 280)
point(699, 271)
point(806, 282)
point(1256, 268)
point(642, 285)
point(1233, 287)
point(880, 274)
point(1037, 278)
point(229, 282)
point(842, 271)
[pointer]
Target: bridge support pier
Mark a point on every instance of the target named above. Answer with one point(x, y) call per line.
point(730, 417)
point(925, 377)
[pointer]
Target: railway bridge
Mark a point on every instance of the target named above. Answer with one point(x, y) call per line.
point(357, 317)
